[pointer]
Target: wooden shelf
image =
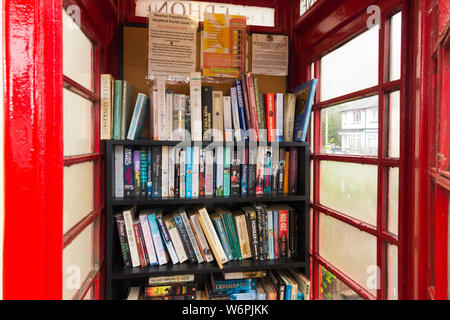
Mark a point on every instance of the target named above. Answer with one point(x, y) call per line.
point(119, 272)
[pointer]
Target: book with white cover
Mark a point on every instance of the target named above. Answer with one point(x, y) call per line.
point(179, 114)
point(169, 110)
point(143, 218)
point(157, 240)
point(128, 215)
point(227, 119)
point(161, 107)
point(196, 106)
point(193, 216)
point(219, 171)
point(154, 114)
point(191, 236)
point(182, 174)
point(106, 106)
point(235, 113)
point(165, 172)
point(217, 117)
point(279, 116)
point(118, 171)
point(175, 237)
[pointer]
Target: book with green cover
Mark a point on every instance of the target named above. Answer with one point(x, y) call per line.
point(117, 109)
point(260, 112)
point(127, 108)
point(223, 215)
point(234, 235)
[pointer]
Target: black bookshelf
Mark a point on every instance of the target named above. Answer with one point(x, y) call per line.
point(118, 278)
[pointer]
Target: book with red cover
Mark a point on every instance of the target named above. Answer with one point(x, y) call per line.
point(283, 230)
point(270, 117)
point(139, 243)
point(293, 165)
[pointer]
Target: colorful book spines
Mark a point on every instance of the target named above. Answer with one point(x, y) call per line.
point(128, 172)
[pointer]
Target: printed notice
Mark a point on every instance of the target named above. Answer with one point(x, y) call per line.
point(270, 54)
point(172, 44)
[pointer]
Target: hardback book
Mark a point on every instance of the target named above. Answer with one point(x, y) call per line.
point(234, 234)
point(270, 116)
point(260, 169)
point(283, 229)
point(219, 171)
point(202, 173)
point(270, 234)
point(187, 118)
point(171, 173)
point(281, 168)
point(137, 172)
point(269, 288)
point(118, 172)
point(268, 171)
point(144, 172)
point(303, 283)
point(227, 171)
point(195, 170)
point(191, 236)
point(220, 284)
point(154, 113)
point(245, 275)
point(262, 231)
point(149, 172)
point(161, 119)
point(128, 215)
point(181, 278)
point(253, 116)
point(227, 119)
point(166, 238)
point(279, 116)
point(143, 218)
point(156, 171)
point(304, 95)
point(293, 165)
point(209, 172)
point(253, 230)
point(236, 115)
point(286, 173)
point(235, 179)
point(127, 108)
point(106, 106)
point(177, 172)
point(184, 236)
point(179, 117)
point(196, 106)
point(197, 228)
point(289, 117)
point(260, 112)
point(164, 171)
point(240, 223)
point(157, 239)
point(260, 292)
point(176, 239)
point(128, 172)
point(139, 117)
point(118, 87)
point(123, 240)
point(207, 112)
point(220, 228)
point(252, 164)
point(169, 116)
point(244, 172)
point(217, 116)
point(182, 174)
point(222, 213)
point(276, 235)
point(242, 115)
point(189, 172)
point(212, 237)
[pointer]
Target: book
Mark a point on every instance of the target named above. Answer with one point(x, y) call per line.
point(118, 174)
point(260, 111)
point(276, 235)
point(203, 243)
point(286, 173)
point(252, 168)
point(144, 172)
point(191, 236)
point(269, 289)
point(244, 172)
point(293, 166)
point(149, 172)
point(303, 283)
point(181, 278)
point(176, 239)
point(279, 117)
point(139, 117)
point(179, 117)
point(164, 171)
point(220, 228)
point(249, 87)
point(118, 87)
point(157, 239)
point(207, 112)
point(244, 275)
point(283, 229)
point(166, 238)
point(209, 171)
point(134, 293)
point(227, 119)
point(137, 172)
point(281, 171)
point(289, 117)
point(222, 213)
point(253, 230)
point(202, 173)
point(268, 171)
point(143, 218)
point(241, 106)
point(250, 130)
point(293, 232)
point(128, 215)
point(128, 172)
point(156, 171)
point(235, 179)
point(106, 106)
point(172, 289)
point(182, 174)
point(270, 116)
point(236, 115)
point(189, 172)
point(196, 106)
point(195, 170)
point(304, 97)
point(262, 231)
point(123, 240)
point(260, 292)
point(219, 171)
point(260, 169)
point(240, 223)
point(249, 295)
point(171, 172)
point(139, 242)
point(154, 113)
point(270, 234)
point(217, 116)
point(277, 283)
point(184, 236)
point(177, 172)
point(160, 83)
point(220, 284)
point(168, 125)
point(227, 172)
point(127, 108)
point(187, 118)
point(234, 234)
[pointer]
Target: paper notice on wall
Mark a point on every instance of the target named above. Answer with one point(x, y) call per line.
point(270, 54)
point(172, 44)
point(223, 45)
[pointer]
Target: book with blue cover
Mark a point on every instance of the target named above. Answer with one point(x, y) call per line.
point(270, 234)
point(139, 117)
point(250, 295)
point(227, 172)
point(304, 96)
point(157, 239)
point(189, 173)
point(241, 106)
point(244, 173)
point(149, 172)
point(219, 284)
point(184, 237)
point(268, 171)
point(220, 228)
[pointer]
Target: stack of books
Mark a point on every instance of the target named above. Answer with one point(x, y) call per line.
point(256, 232)
point(179, 287)
point(196, 172)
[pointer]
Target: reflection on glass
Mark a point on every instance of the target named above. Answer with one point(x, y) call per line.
point(351, 67)
point(351, 127)
point(331, 288)
point(350, 188)
point(396, 46)
point(393, 201)
point(350, 250)
point(394, 124)
point(392, 263)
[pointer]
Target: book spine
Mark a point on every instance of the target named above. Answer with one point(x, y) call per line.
point(279, 116)
point(281, 169)
point(187, 119)
point(286, 174)
point(127, 101)
point(241, 106)
point(260, 112)
point(289, 116)
point(202, 173)
point(270, 234)
point(283, 218)
point(156, 172)
point(253, 231)
point(229, 235)
point(259, 188)
point(252, 105)
point(179, 116)
point(154, 128)
point(244, 172)
point(106, 115)
point(171, 279)
point(144, 172)
point(140, 249)
point(261, 232)
point(207, 107)
point(128, 176)
point(137, 173)
point(236, 115)
point(123, 241)
point(268, 171)
point(235, 179)
point(219, 171)
point(177, 173)
point(169, 114)
point(243, 236)
point(249, 296)
point(248, 117)
point(293, 223)
point(223, 238)
point(270, 116)
point(203, 243)
point(189, 172)
point(153, 260)
point(131, 238)
point(176, 240)
point(182, 174)
point(196, 106)
point(118, 172)
point(185, 238)
point(191, 236)
point(167, 240)
point(209, 167)
point(279, 286)
point(214, 176)
point(118, 87)
point(275, 170)
point(144, 246)
point(136, 119)
point(293, 165)
point(161, 107)
point(176, 289)
point(227, 119)
point(227, 172)
point(276, 236)
point(171, 175)
point(157, 241)
point(217, 116)
point(234, 284)
point(252, 161)
point(164, 171)
point(235, 236)
point(195, 170)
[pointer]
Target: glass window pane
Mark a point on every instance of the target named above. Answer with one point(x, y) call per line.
point(77, 52)
point(392, 263)
point(78, 193)
point(77, 262)
point(394, 124)
point(351, 67)
point(331, 288)
point(396, 46)
point(350, 188)
point(89, 294)
point(77, 114)
point(393, 201)
point(351, 127)
point(350, 250)
point(311, 191)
